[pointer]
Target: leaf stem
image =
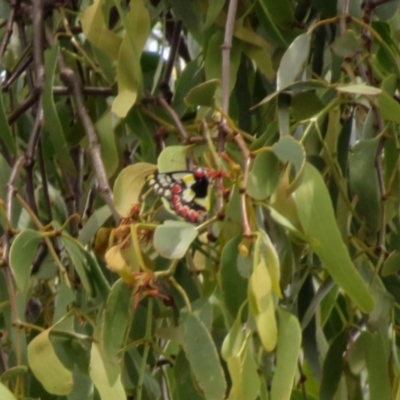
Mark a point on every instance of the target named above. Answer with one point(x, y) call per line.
point(143, 365)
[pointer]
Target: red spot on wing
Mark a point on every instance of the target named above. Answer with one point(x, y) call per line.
point(175, 199)
point(185, 211)
point(176, 189)
point(192, 215)
point(178, 207)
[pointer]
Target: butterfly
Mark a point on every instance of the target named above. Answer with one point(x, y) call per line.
point(185, 191)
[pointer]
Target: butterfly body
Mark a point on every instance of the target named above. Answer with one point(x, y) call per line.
point(185, 191)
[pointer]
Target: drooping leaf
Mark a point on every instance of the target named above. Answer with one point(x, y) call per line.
point(289, 341)
point(22, 253)
point(203, 357)
point(52, 374)
point(106, 375)
point(51, 119)
point(117, 314)
point(262, 305)
point(313, 206)
point(231, 278)
point(95, 29)
point(129, 74)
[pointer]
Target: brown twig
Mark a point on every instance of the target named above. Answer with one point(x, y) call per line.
point(175, 40)
point(24, 106)
point(86, 90)
point(70, 80)
point(175, 117)
point(9, 28)
point(19, 69)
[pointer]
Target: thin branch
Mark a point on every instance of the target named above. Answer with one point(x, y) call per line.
point(9, 28)
point(175, 117)
point(86, 90)
point(37, 21)
point(24, 43)
point(226, 55)
point(24, 106)
point(69, 78)
point(19, 69)
point(175, 40)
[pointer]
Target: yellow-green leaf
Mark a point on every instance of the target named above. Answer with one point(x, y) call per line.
point(317, 218)
point(46, 366)
point(5, 394)
point(95, 29)
point(262, 305)
point(129, 74)
point(105, 375)
point(128, 186)
point(289, 341)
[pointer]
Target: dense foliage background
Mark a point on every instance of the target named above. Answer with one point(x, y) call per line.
point(290, 289)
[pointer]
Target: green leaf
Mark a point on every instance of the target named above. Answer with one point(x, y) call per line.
point(173, 238)
point(313, 206)
point(391, 264)
point(128, 186)
point(289, 341)
point(277, 19)
point(305, 105)
point(362, 164)
point(5, 394)
point(106, 376)
point(129, 74)
point(109, 152)
point(191, 14)
point(241, 364)
point(22, 253)
point(347, 44)
point(235, 338)
point(79, 262)
point(231, 278)
point(376, 347)
point(173, 158)
point(5, 131)
point(360, 88)
point(51, 120)
point(293, 61)
point(389, 109)
point(203, 94)
point(52, 374)
point(290, 150)
point(117, 315)
point(203, 358)
point(264, 176)
point(244, 374)
point(92, 225)
point(186, 389)
point(95, 29)
point(213, 59)
point(262, 305)
point(214, 8)
point(333, 367)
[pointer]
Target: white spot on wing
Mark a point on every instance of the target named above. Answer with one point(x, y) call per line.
point(188, 195)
